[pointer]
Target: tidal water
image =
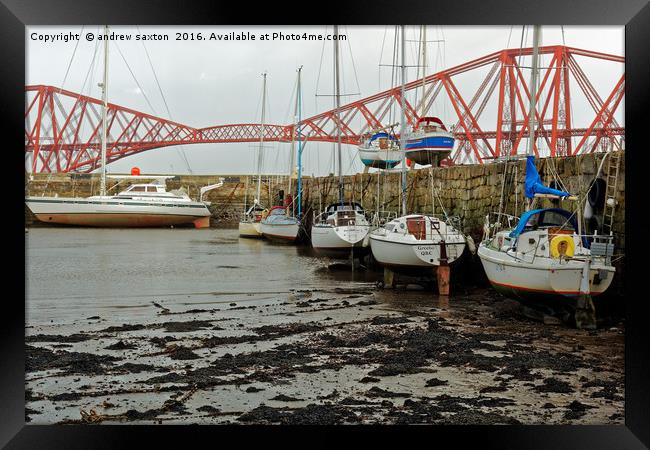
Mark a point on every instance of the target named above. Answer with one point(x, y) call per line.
point(83, 272)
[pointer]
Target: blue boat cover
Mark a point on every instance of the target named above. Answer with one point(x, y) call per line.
point(382, 135)
point(525, 218)
point(533, 184)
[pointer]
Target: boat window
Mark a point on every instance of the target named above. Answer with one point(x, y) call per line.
point(390, 226)
point(137, 189)
point(417, 227)
point(152, 189)
point(345, 218)
point(553, 219)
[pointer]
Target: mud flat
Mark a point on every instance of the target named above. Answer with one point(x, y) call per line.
point(347, 355)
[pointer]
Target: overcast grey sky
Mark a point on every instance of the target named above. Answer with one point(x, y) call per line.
point(219, 82)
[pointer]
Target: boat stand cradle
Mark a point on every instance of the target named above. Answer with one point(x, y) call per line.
point(439, 278)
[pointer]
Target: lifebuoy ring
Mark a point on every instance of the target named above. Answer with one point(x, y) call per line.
point(562, 246)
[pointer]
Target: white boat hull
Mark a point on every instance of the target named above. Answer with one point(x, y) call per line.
point(112, 212)
point(331, 240)
point(250, 229)
point(417, 254)
point(545, 277)
point(280, 232)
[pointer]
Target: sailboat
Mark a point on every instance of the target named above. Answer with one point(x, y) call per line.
point(380, 150)
point(251, 224)
point(429, 142)
point(545, 256)
point(343, 226)
point(279, 225)
point(414, 241)
point(140, 205)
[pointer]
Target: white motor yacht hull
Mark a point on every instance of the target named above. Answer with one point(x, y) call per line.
point(543, 278)
point(113, 212)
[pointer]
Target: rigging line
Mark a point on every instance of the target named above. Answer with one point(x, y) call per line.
point(180, 148)
point(135, 79)
point(354, 67)
point(67, 71)
point(320, 67)
point(381, 55)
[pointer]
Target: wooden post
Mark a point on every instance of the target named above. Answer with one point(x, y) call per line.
point(389, 278)
point(443, 271)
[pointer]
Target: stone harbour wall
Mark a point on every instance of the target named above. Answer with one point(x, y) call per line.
point(468, 192)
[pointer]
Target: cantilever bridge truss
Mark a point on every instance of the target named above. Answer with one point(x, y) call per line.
point(63, 128)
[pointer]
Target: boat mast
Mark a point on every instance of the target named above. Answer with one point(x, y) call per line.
point(299, 196)
point(402, 133)
point(533, 93)
point(533, 99)
point(293, 147)
point(102, 189)
point(423, 34)
point(259, 151)
point(338, 106)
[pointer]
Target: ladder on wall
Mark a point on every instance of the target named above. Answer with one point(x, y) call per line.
point(613, 166)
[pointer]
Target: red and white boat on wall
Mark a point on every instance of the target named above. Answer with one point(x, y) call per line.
point(140, 205)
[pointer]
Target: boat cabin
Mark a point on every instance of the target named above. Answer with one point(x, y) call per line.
point(429, 124)
point(343, 214)
point(419, 226)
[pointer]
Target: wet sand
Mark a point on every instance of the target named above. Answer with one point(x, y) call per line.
point(331, 349)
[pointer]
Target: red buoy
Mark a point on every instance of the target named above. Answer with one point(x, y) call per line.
point(135, 171)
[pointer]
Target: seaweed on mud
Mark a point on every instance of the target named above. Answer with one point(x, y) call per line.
point(121, 345)
point(184, 327)
point(609, 389)
point(369, 380)
point(311, 414)
point(252, 389)
point(69, 362)
point(576, 410)
point(285, 398)
point(436, 382)
point(162, 341)
point(137, 368)
point(208, 409)
point(375, 392)
point(280, 361)
point(178, 352)
point(554, 385)
point(124, 327)
point(276, 331)
point(72, 338)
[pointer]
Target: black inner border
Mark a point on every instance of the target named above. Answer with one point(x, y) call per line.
point(634, 14)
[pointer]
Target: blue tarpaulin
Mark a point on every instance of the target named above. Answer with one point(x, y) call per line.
point(533, 184)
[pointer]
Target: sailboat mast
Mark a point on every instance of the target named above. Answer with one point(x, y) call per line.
point(338, 116)
point(259, 151)
point(299, 196)
point(402, 133)
point(292, 158)
point(424, 66)
point(533, 92)
point(102, 189)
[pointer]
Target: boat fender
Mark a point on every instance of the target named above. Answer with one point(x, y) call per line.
point(471, 245)
point(562, 246)
point(265, 213)
point(596, 194)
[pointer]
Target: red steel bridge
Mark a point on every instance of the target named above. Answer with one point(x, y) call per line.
point(62, 128)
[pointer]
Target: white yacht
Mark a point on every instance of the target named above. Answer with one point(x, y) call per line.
point(340, 228)
point(140, 205)
point(416, 241)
